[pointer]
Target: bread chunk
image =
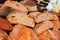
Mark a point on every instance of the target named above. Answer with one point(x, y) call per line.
point(21, 32)
point(5, 24)
point(9, 6)
point(41, 27)
point(20, 18)
point(45, 17)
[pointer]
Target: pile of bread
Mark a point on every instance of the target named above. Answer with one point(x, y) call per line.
point(20, 23)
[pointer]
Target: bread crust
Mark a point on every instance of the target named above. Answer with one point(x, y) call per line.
point(45, 17)
point(41, 27)
point(21, 32)
point(5, 24)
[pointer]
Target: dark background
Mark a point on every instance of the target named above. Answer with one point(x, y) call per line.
point(2, 1)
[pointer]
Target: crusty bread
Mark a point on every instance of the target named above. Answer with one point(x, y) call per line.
point(20, 18)
point(8, 6)
point(45, 17)
point(21, 32)
point(41, 27)
point(3, 35)
point(5, 24)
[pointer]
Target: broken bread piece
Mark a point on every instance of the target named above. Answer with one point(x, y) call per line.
point(41, 27)
point(3, 35)
point(21, 32)
point(5, 24)
point(45, 17)
point(9, 6)
point(20, 18)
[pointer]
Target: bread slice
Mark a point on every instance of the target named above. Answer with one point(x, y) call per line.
point(20, 18)
point(9, 6)
point(45, 17)
point(41, 27)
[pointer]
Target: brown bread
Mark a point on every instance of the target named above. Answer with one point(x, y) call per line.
point(41, 27)
point(9, 6)
point(45, 17)
point(5, 24)
point(21, 32)
point(20, 18)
